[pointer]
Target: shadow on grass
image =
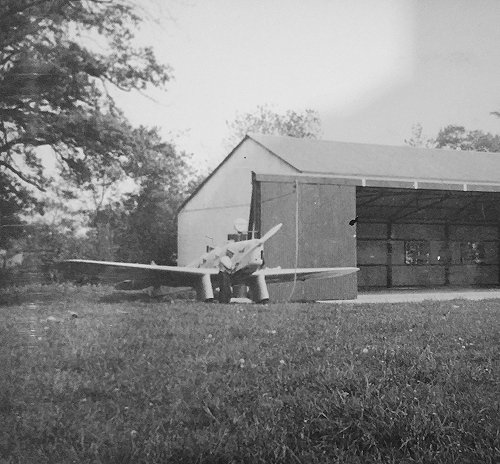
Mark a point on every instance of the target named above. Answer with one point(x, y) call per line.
point(16, 296)
point(122, 297)
point(10, 300)
point(36, 294)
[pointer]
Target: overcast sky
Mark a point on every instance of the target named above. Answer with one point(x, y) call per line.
point(371, 68)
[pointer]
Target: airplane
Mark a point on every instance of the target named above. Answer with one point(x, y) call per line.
point(235, 263)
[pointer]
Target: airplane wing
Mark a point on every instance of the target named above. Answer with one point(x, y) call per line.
point(152, 274)
point(275, 275)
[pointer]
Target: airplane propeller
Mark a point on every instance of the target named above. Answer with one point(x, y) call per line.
point(270, 233)
point(227, 266)
point(259, 242)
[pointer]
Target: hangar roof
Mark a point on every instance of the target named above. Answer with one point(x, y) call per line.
point(378, 165)
point(383, 161)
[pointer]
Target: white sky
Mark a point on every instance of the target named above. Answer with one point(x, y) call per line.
point(371, 68)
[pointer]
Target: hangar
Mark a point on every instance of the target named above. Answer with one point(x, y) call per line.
point(407, 217)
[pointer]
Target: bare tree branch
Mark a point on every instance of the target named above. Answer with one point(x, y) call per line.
point(23, 177)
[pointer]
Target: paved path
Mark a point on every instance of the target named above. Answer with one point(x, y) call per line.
point(399, 296)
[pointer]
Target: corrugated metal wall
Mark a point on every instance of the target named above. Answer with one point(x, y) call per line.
point(325, 238)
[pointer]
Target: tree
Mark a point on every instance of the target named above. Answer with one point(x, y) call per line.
point(142, 225)
point(53, 86)
point(137, 227)
point(58, 61)
point(458, 138)
point(266, 121)
point(165, 179)
point(14, 199)
point(417, 139)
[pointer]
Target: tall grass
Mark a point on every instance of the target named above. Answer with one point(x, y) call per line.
point(136, 380)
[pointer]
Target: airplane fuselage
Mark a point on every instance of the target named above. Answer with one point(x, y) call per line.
point(235, 258)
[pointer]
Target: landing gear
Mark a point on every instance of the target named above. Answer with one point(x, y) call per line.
point(204, 290)
point(225, 291)
point(258, 290)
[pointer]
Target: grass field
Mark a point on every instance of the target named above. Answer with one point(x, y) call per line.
point(136, 380)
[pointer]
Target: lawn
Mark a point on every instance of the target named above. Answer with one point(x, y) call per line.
point(136, 380)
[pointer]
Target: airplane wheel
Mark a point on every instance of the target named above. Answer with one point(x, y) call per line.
point(224, 288)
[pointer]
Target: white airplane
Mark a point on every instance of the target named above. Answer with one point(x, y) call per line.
point(236, 263)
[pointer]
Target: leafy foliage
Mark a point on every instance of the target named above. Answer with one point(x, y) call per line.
point(53, 84)
point(145, 222)
point(57, 61)
point(266, 121)
point(458, 138)
point(417, 139)
point(14, 198)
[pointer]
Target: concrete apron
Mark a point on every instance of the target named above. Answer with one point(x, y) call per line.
point(401, 296)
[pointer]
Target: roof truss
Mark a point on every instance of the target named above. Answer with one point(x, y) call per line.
point(443, 206)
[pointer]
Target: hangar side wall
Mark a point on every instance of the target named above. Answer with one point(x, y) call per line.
point(224, 197)
point(324, 239)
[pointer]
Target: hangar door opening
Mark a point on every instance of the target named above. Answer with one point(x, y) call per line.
point(427, 238)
